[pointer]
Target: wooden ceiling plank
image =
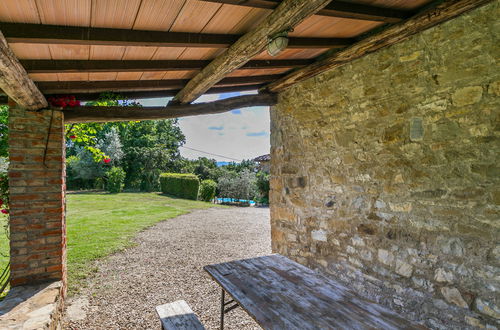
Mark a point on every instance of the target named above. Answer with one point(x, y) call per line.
point(287, 15)
point(72, 35)
point(335, 9)
point(390, 36)
point(59, 66)
point(52, 87)
point(15, 82)
point(107, 114)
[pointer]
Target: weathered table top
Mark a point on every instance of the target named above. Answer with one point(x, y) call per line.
point(282, 294)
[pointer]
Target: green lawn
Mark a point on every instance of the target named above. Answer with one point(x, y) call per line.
point(99, 224)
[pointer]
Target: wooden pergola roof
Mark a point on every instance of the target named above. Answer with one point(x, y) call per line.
point(184, 48)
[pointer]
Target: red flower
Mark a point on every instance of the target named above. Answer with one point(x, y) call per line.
point(72, 137)
point(5, 211)
point(106, 160)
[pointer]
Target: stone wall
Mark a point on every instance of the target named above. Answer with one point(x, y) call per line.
point(37, 196)
point(385, 174)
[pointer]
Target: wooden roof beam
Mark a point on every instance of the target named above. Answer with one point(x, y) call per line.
point(390, 36)
point(79, 35)
point(14, 80)
point(134, 95)
point(61, 66)
point(335, 9)
point(68, 87)
point(107, 114)
point(287, 15)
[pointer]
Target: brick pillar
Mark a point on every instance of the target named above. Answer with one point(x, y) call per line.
point(37, 196)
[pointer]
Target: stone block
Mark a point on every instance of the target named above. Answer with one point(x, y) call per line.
point(453, 296)
point(385, 257)
point(443, 276)
point(403, 268)
point(319, 235)
point(487, 308)
point(467, 95)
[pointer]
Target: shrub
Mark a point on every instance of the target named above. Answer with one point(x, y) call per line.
point(180, 185)
point(263, 187)
point(116, 179)
point(239, 186)
point(207, 190)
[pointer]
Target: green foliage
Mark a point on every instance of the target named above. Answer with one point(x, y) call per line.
point(180, 185)
point(116, 179)
point(263, 187)
point(4, 130)
point(238, 185)
point(207, 190)
point(144, 149)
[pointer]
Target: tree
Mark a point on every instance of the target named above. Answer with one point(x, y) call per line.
point(241, 186)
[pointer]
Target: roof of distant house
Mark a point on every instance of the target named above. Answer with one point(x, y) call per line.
point(263, 158)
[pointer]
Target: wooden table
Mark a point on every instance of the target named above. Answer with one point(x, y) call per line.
point(282, 294)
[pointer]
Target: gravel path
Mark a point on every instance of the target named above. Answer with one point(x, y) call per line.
point(166, 265)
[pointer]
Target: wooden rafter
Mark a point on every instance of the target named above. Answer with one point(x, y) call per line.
point(105, 114)
point(134, 95)
point(335, 9)
point(14, 80)
point(78, 35)
point(67, 87)
point(288, 14)
point(390, 36)
point(60, 66)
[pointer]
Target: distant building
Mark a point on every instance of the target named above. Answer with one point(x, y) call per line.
point(264, 162)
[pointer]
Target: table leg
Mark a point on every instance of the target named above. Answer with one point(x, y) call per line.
point(222, 306)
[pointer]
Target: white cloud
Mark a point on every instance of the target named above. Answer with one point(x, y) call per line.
point(243, 136)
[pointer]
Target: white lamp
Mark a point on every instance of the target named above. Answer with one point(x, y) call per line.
point(277, 43)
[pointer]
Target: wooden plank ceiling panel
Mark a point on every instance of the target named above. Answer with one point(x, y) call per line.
point(139, 53)
point(231, 19)
point(203, 11)
point(99, 52)
point(168, 53)
point(157, 15)
point(200, 53)
point(70, 52)
point(98, 76)
point(43, 76)
point(21, 11)
point(129, 75)
point(31, 51)
point(76, 76)
point(153, 75)
point(332, 27)
point(118, 14)
point(64, 12)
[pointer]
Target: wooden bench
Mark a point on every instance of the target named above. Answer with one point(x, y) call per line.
point(178, 315)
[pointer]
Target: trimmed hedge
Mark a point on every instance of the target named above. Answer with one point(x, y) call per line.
point(207, 190)
point(180, 185)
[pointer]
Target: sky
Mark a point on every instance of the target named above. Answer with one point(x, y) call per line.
point(231, 136)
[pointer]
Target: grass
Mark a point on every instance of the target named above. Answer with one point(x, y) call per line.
point(99, 224)
point(4, 248)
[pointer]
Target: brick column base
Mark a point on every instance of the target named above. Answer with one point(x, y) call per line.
point(37, 196)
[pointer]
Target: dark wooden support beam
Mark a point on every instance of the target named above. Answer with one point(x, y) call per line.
point(335, 9)
point(152, 94)
point(14, 80)
point(287, 15)
point(66, 87)
point(107, 114)
point(77, 35)
point(390, 36)
point(60, 66)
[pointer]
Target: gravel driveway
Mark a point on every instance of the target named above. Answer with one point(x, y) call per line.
point(166, 265)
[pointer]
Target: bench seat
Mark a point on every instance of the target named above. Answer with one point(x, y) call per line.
point(178, 315)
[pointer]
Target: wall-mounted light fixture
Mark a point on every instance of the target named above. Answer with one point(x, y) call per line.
point(277, 43)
